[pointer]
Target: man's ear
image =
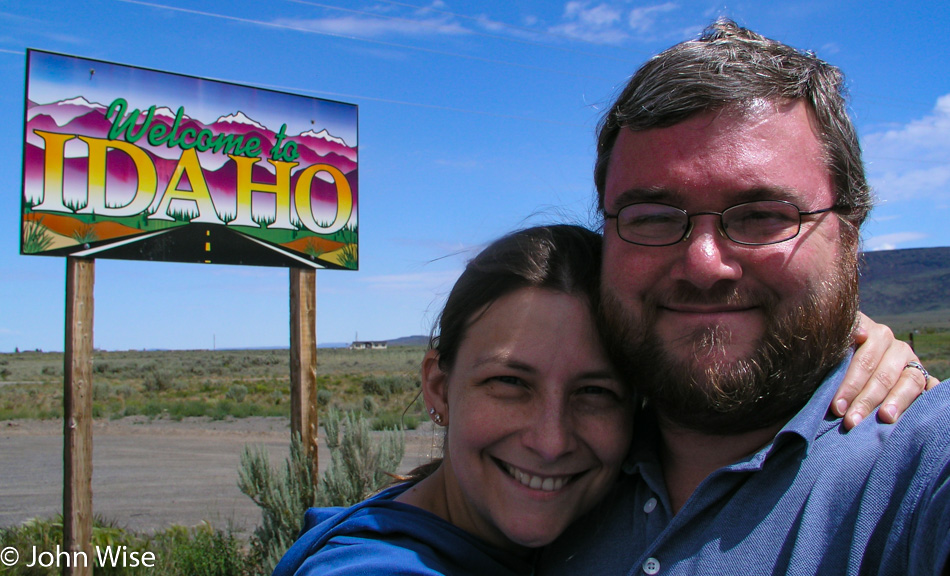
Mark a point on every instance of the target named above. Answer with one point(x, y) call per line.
point(435, 388)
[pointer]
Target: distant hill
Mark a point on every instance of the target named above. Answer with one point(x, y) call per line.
point(404, 341)
point(410, 341)
point(907, 289)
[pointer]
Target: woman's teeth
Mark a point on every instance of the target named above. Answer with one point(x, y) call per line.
point(545, 484)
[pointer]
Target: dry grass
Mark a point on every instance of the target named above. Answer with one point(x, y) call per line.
point(222, 383)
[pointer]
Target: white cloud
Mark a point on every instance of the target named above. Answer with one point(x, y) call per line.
point(600, 15)
point(492, 25)
point(908, 183)
point(830, 48)
point(591, 23)
point(611, 22)
point(912, 160)
point(374, 27)
point(644, 19)
point(419, 282)
point(891, 241)
point(599, 21)
point(370, 26)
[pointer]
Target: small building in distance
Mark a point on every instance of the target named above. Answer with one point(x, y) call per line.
point(368, 345)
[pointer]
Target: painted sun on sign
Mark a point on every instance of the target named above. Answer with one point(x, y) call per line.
point(128, 163)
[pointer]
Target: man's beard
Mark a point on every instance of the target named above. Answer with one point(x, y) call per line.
point(802, 341)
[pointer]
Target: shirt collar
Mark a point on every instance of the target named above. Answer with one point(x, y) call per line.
point(814, 419)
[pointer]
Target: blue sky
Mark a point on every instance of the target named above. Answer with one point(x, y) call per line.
point(474, 119)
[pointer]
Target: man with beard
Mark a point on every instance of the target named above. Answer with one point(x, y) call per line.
point(732, 188)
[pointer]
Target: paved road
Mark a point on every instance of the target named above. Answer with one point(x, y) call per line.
point(150, 475)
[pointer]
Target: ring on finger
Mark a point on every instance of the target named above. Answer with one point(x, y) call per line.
point(920, 367)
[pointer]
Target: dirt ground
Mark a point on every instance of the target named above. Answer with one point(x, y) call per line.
point(150, 474)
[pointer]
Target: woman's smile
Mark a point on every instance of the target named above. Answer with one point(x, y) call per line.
point(536, 482)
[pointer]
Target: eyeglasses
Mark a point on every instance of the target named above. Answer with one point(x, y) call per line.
point(751, 223)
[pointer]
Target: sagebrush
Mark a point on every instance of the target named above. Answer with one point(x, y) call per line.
point(360, 465)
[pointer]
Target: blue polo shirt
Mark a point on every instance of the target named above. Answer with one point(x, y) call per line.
point(816, 500)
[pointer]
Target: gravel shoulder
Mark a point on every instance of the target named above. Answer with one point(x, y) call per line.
point(150, 474)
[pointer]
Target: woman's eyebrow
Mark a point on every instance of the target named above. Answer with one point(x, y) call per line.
point(597, 375)
point(504, 359)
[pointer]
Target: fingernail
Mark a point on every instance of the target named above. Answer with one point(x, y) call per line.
point(841, 405)
point(890, 410)
point(856, 419)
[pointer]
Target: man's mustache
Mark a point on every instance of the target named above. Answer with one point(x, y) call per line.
point(721, 294)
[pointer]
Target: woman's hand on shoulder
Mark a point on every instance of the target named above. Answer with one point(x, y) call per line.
point(880, 374)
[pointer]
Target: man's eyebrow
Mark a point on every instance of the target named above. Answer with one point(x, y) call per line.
point(678, 199)
point(769, 193)
point(634, 195)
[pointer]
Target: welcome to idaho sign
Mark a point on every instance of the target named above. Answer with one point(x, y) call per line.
point(136, 164)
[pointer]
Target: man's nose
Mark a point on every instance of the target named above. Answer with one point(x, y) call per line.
point(707, 254)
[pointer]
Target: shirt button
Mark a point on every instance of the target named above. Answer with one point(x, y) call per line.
point(650, 505)
point(651, 566)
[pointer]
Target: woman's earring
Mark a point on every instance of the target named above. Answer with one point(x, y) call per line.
point(436, 417)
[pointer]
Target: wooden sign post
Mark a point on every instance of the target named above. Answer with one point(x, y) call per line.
point(303, 360)
point(77, 403)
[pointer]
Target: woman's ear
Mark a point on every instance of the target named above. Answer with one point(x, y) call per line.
point(435, 389)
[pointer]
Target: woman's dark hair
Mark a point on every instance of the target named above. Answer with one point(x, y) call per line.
point(559, 257)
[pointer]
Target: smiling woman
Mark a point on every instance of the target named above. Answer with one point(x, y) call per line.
point(537, 424)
